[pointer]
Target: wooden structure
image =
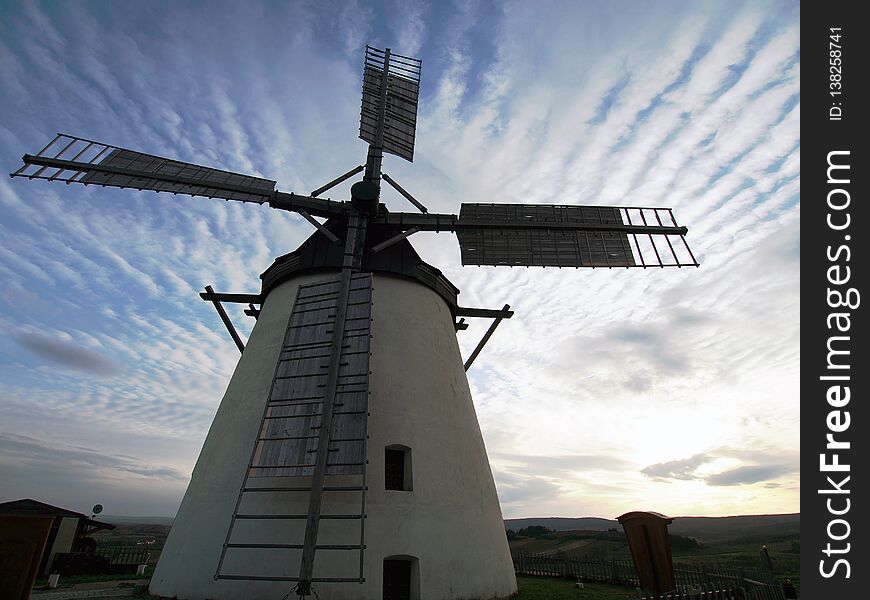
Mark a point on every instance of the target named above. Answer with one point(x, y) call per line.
point(650, 546)
point(32, 534)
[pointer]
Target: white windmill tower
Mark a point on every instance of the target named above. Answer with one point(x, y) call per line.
point(354, 352)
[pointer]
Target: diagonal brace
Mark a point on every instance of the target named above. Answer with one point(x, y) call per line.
point(405, 193)
point(225, 318)
point(394, 239)
point(337, 180)
point(505, 314)
point(305, 215)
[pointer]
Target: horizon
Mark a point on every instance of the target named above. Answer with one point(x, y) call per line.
point(125, 516)
point(675, 389)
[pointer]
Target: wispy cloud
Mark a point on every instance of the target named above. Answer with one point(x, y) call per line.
point(600, 375)
point(677, 469)
point(68, 354)
point(714, 470)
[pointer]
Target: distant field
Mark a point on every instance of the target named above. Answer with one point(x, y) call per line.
point(729, 541)
point(117, 519)
point(737, 547)
point(142, 535)
point(712, 529)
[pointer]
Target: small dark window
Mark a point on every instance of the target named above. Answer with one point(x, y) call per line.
point(394, 474)
point(397, 579)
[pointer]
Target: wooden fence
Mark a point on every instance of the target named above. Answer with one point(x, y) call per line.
point(107, 560)
point(125, 555)
point(694, 582)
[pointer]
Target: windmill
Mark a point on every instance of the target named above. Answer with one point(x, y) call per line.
point(354, 353)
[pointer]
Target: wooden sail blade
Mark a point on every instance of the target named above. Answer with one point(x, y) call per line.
point(570, 236)
point(558, 236)
point(73, 159)
point(401, 98)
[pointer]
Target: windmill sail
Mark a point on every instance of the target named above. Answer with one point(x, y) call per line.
point(402, 94)
point(77, 160)
point(516, 246)
point(535, 235)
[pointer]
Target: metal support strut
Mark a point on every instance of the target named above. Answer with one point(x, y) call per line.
point(503, 314)
point(225, 318)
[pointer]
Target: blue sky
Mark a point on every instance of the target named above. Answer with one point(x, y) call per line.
point(609, 391)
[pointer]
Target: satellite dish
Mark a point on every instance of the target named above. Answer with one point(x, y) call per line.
point(97, 509)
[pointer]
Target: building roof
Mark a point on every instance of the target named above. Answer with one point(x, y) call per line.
point(27, 507)
point(317, 253)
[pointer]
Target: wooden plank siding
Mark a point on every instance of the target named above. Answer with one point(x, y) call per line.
point(287, 444)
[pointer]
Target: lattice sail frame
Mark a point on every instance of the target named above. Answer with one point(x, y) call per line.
point(540, 235)
point(72, 159)
point(403, 92)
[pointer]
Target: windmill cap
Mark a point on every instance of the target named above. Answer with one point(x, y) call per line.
point(364, 195)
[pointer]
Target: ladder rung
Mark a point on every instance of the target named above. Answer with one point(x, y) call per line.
point(313, 356)
point(255, 578)
point(309, 402)
point(308, 437)
point(305, 465)
point(306, 346)
point(299, 466)
point(301, 375)
point(319, 323)
point(349, 488)
point(298, 546)
point(294, 517)
point(318, 399)
point(342, 376)
point(299, 416)
point(317, 414)
point(308, 310)
point(278, 578)
point(346, 391)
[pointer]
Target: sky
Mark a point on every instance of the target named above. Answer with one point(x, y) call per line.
point(674, 390)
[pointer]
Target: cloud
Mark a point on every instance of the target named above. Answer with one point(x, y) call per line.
point(523, 490)
point(69, 354)
point(768, 467)
point(676, 469)
point(77, 477)
point(749, 474)
point(560, 464)
point(29, 451)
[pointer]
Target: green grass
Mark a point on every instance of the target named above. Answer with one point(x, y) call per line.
point(550, 588)
point(735, 553)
